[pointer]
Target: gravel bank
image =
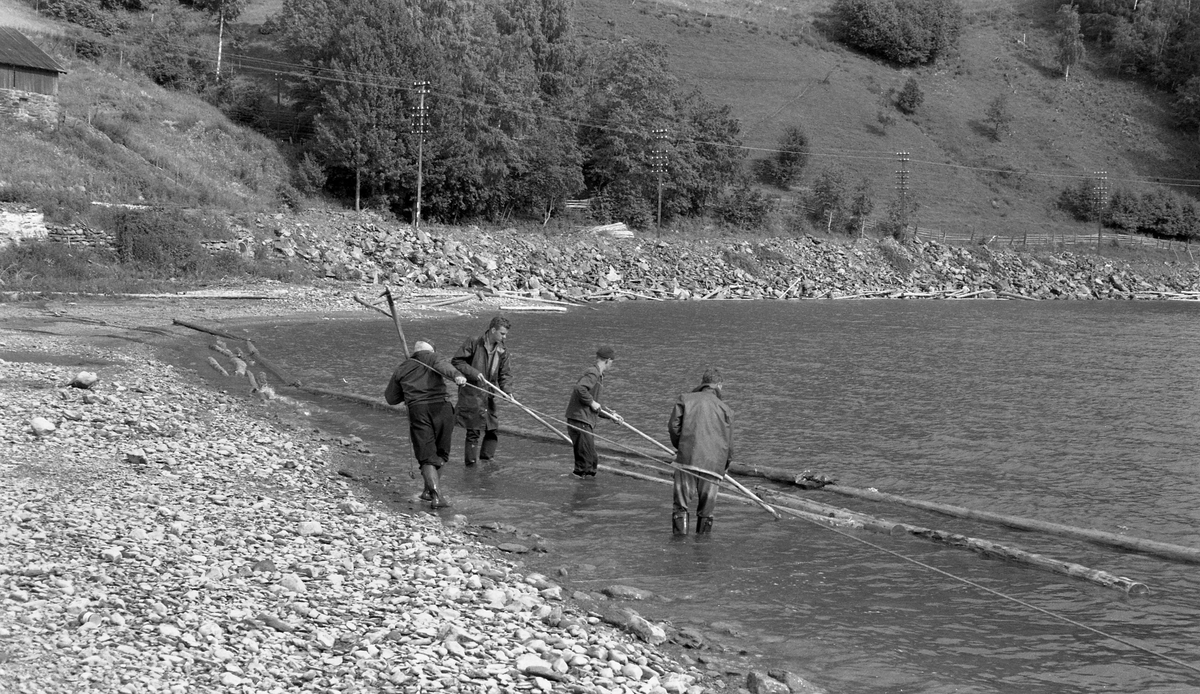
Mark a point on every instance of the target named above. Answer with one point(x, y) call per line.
point(164, 537)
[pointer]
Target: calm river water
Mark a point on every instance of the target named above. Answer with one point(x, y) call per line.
point(1082, 413)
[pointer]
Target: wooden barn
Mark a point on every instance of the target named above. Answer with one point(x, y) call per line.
point(28, 78)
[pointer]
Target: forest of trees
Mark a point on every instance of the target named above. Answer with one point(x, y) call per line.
point(520, 116)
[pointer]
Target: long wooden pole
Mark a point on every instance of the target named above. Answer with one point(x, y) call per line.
point(531, 413)
point(396, 319)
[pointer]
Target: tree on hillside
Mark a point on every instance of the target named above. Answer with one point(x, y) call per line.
point(789, 159)
point(222, 11)
point(828, 198)
point(1070, 40)
point(1187, 105)
point(910, 97)
point(631, 93)
point(904, 31)
point(998, 116)
point(862, 205)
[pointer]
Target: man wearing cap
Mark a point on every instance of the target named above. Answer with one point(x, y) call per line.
point(701, 429)
point(420, 383)
point(583, 411)
point(482, 359)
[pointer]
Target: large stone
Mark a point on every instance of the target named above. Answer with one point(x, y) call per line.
point(761, 683)
point(84, 380)
point(42, 426)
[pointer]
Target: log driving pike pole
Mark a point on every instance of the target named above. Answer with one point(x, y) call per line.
point(726, 477)
point(531, 413)
point(396, 319)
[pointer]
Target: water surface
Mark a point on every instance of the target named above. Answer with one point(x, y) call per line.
point(1082, 413)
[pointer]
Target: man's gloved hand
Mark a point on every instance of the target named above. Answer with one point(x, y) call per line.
point(460, 380)
point(595, 406)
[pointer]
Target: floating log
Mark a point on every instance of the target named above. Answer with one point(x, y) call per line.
point(1161, 549)
point(824, 520)
point(262, 361)
point(984, 547)
point(210, 331)
point(992, 549)
point(868, 522)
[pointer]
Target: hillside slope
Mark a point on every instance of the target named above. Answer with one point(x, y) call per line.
point(774, 69)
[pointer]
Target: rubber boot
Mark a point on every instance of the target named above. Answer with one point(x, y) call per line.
point(679, 524)
point(703, 525)
point(432, 477)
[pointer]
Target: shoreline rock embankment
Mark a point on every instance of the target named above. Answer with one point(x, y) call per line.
point(157, 536)
point(584, 266)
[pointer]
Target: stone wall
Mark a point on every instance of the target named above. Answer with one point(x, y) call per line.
point(18, 104)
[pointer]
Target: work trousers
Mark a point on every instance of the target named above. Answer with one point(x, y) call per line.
point(687, 488)
point(431, 428)
point(480, 444)
point(583, 442)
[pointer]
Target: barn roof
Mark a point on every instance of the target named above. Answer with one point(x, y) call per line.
point(17, 50)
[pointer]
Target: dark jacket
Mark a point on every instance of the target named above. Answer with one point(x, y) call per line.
point(416, 383)
point(477, 409)
point(701, 429)
point(586, 391)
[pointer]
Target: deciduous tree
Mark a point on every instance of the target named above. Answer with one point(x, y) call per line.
point(1070, 40)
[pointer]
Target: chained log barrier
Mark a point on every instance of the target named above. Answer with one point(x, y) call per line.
point(1160, 549)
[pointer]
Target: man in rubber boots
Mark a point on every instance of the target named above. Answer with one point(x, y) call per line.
point(420, 383)
point(701, 429)
point(583, 411)
point(482, 359)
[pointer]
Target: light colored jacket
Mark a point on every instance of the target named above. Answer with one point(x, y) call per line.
point(701, 430)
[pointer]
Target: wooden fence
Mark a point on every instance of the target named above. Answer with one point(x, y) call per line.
point(1052, 239)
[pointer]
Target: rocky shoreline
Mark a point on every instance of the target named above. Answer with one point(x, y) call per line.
point(160, 536)
point(591, 266)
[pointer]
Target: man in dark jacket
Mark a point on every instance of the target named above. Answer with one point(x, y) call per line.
point(482, 359)
point(701, 429)
point(420, 383)
point(583, 410)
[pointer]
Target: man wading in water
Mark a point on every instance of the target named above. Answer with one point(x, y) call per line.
point(418, 382)
point(583, 410)
point(482, 359)
point(701, 429)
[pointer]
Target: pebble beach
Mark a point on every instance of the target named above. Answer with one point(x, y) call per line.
point(157, 535)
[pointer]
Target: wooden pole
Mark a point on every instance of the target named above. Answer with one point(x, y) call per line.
point(729, 479)
point(396, 319)
point(531, 413)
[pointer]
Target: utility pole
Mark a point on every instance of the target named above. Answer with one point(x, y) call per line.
point(420, 126)
point(1099, 200)
point(658, 166)
point(902, 190)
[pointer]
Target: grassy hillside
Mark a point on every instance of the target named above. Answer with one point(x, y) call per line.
point(123, 139)
point(769, 63)
point(126, 140)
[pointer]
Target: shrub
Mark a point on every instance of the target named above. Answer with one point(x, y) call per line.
point(903, 31)
point(310, 175)
point(744, 207)
point(1079, 200)
point(787, 163)
point(910, 97)
point(158, 242)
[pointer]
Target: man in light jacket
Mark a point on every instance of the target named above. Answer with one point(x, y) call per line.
point(701, 429)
